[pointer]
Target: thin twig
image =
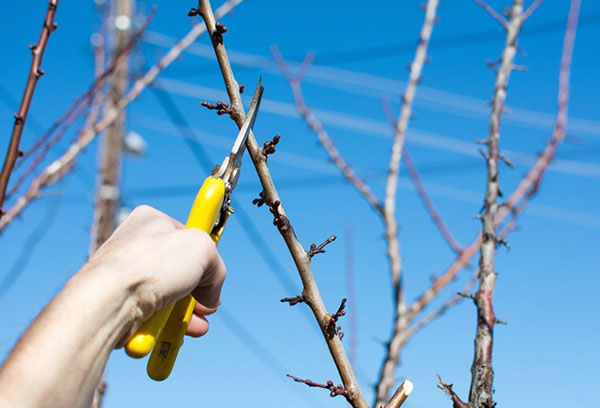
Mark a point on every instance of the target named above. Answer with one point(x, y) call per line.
point(490, 10)
point(531, 8)
point(419, 187)
point(447, 388)
point(35, 72)
point(428, 203)
point(317, 127)
point(386, 378)
point(334, 390)
point(300, 256)
point(57, 169)
point(444, 308)
point(314, 249)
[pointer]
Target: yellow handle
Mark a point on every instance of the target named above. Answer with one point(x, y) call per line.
point(204, 215)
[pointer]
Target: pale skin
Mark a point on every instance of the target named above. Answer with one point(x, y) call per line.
point(148, 262)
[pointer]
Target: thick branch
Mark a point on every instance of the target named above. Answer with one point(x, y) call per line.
point(56, 170)
point(35, 72)
point(302, 260)
point(482, 373)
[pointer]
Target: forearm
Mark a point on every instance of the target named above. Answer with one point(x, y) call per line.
point(60, 359)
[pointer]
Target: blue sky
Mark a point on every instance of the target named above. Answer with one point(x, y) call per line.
point(547, 282)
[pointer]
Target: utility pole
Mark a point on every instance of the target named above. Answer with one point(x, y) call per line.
point(110, 153)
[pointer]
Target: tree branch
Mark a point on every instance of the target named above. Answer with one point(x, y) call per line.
point(35, 72)
point(302, 260)
point(490, 10)
point(439, 312)
point(317, 127)
point(386, 378)
point(428, 203)
point(75, 110)
point(56, 170)
point(531, 9)
point(482, 373)
point(401, 394)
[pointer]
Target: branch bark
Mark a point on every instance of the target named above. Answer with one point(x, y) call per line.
point(35, 72)
point(398, 338)
point(76, 109)
point(428, 203)
point(299, 254)
point(482, 373)
point(56, 170)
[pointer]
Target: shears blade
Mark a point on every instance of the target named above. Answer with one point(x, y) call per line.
point(240, 142)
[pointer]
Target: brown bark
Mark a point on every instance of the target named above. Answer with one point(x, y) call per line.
point(482, 373)
point(35, 72)
point(310, 291)
point(61, 166)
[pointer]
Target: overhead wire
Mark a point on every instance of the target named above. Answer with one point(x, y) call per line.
point(380, 129)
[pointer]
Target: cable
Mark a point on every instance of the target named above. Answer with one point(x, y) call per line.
point(27, 250)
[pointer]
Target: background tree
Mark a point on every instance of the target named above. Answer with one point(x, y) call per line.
point(320, 210)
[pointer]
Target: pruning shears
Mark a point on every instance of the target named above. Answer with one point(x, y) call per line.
point(163, 332)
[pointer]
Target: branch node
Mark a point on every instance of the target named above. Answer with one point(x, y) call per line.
point(194, 12)
point(220, 29)
point(279, 220)
point(259, 201)
point(222, 108)
point(269, 145)
point(294, 300)
point(334, 390)
point(447, 388)
point(241, 88)
point(331, 324)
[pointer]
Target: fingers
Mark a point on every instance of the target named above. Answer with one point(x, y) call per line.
point(198, 326)
point(202, 310)
point(208, 291)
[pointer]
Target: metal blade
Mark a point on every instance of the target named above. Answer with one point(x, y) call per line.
point(239, 146)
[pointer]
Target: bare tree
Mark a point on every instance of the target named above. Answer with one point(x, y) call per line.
point(482, 374)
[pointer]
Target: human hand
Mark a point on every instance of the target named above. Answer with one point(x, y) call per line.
point(161, 262)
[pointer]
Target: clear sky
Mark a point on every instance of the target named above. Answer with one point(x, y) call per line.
point(547, 286)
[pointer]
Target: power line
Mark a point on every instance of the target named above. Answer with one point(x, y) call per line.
point(260, 351)
point(27, 250)
point(375, 86)
point(378, 129)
